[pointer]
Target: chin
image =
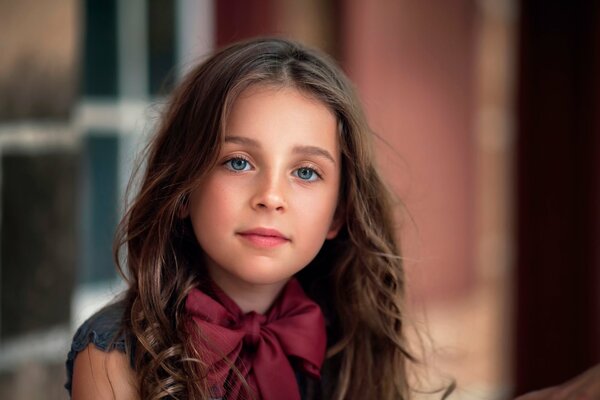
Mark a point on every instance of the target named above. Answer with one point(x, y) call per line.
point(264, 275)
point(265, 279)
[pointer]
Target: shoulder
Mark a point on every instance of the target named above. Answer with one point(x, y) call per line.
point(103, 375)
point(100, 337)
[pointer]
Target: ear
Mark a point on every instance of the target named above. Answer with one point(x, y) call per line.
point(336, 224)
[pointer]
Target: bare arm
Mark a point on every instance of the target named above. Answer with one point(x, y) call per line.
point(98, 375)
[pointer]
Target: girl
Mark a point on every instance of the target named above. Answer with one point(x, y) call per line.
point(260, 250)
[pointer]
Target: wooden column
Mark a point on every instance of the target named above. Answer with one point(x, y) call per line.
point(558, 202)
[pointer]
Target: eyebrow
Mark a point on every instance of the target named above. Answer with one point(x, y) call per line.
point(242, 140)
point(298, 149)
point(313, 151)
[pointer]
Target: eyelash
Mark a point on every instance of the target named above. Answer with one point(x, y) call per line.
point(235, 158)
point(308, 167)
point(227, 164)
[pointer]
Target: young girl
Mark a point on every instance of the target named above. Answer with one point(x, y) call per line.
point(260, 251)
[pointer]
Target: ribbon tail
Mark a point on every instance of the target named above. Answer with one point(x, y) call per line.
point(275, 377)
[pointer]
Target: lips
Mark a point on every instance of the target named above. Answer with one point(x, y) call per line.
point(264, 237)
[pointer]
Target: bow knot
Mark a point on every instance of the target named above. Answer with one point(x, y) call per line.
point(251, 325)
point(259, 346)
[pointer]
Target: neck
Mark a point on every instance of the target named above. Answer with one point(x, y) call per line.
point(248, 296)
point(257, 299)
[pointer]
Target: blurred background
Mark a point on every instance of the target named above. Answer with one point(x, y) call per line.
point(488, 111)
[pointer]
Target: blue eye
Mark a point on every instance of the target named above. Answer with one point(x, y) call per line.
point(238, 164)
point(307, 174)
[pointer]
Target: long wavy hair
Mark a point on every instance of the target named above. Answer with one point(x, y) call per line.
point(357, 278)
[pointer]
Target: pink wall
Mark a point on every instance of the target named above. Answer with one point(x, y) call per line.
point(413, 64)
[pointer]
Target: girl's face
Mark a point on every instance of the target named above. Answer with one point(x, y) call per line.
point(264, 211)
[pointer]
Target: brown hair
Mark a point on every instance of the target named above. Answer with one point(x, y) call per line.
point(357, 278)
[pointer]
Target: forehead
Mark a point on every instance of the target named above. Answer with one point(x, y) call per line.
point(258, 95)
point(278, 114)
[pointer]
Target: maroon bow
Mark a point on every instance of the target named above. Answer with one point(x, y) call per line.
point(258, 345)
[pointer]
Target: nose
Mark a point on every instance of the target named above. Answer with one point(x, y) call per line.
point(269, 193)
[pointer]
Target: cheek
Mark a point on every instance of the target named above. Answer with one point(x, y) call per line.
point(314, 222)
point(211, 208)
point(315, 214)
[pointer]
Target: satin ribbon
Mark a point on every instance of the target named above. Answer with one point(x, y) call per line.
point(261, 347)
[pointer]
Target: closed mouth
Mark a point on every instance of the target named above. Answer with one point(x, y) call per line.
point(264, 237)
point(265, 232)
